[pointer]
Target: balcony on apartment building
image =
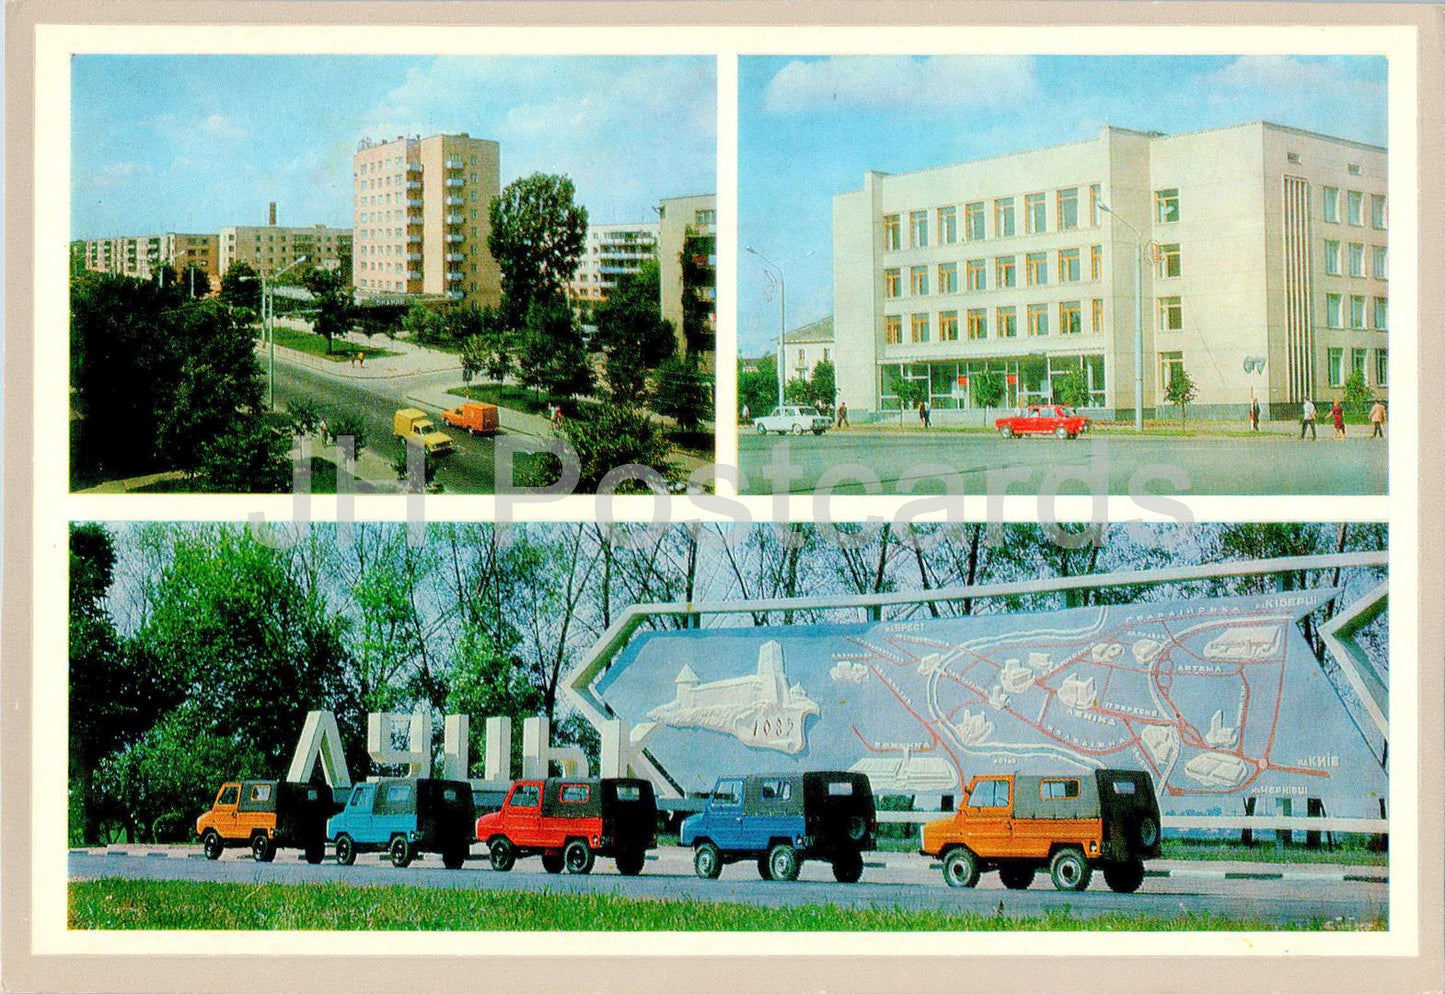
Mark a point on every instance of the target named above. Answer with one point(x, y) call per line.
point(454, 276)
point(413, 167)
point(455, 181)
point(455, 201)
point(413, 257)
point(413, 236)
point(455, 257)
point(413, 275)
point(454, 219)
point(455, 237)
point(456, 294)
point(413, 201)
point(455, 164)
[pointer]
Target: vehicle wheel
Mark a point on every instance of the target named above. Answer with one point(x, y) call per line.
point(212, 843)
point(1125, 877)
point(707, 861)
point(1069, 870)
point(502, 854)
point(857, 829)
point(783, 862)
point(797, 429)
point(315, 851)
point(401, 853)
point(1148, 833)
point(960, 868)
point(552, 862)
point(1006, 432)
point(631, 861)
point(1016, 877)
point(263, 848)
point(345, 850)
point(1061, 432)
point(577, 857)
point(762, 429)
point(764, 870)
point(848, 867)
point(819, 431)
point(455, 857)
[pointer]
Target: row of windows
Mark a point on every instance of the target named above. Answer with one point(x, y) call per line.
point(1005, 272)
point(1359, 358)
point(1336, 313)
point(1354, 207)
point(921, 328)
point(1351, 255)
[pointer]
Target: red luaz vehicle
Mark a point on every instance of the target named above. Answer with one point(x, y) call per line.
point(1043, 419)
point(569, 823)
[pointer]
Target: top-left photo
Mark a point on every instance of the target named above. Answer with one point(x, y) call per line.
point(366, 274)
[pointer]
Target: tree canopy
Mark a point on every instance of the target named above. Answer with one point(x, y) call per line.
point(537, 236)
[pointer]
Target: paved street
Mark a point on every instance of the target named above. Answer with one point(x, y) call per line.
point(1270, 464)
point(889, 880)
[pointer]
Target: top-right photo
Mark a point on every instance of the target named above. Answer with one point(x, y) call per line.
point(978, 274)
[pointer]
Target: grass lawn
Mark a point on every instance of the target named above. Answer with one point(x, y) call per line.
point(313, 344)
point(176, 904)
point(514, 398)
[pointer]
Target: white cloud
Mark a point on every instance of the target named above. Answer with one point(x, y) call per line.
point(882, 82)
point(118, 174)
point(218, 125)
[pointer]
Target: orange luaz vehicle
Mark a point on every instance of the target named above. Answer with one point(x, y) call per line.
point(1067, 824)
point(473, 417)
point(267, 815)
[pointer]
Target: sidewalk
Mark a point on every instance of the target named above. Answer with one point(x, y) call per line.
point(1232, 430)
point(411, 360)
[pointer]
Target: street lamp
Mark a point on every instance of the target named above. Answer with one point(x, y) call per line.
point(782, 312)
point(1138, 316)
point(268, 321)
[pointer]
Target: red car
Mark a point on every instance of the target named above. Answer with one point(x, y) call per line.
point(1043, 419)
point(569, 823)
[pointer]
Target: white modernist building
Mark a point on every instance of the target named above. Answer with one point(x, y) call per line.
point(611, 252)
point(1260, 242)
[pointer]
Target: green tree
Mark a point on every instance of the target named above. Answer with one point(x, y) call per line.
point(195, 281)
point(987, 390)
point(474, 360)
point(910, 393)
point(251, 456)
point(554, 358)
point(349, 424)
point(498, 345)
point(606, 436)
point(680, 392)
point(1180, 391)
point(798, 391)
point(424, 325)
point(537, 236)
point(1071, 389)
point(241, 286)
point(824, 383)
point(631, 332)
point(758, 385)
point(333, 302)
point(1357, 398)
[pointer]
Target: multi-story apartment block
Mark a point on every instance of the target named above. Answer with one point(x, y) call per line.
point(611, 252)
point(270, 248)
point(1259, 242)
point(181, 252)
point(128, 255)
point(687, 260)
point(421, 209)
point(805, 347)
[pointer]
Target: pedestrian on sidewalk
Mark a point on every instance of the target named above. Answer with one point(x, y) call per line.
point(351, 356)
point(1254, 414)
point(361, 359)
point(842, 414)
point(747, 414)
point(1377, 419)
point(1307, 420)
point(556, 417)
point(1337, 415)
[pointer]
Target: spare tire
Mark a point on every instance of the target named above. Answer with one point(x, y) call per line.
point(1148, 833)
point(857, 828)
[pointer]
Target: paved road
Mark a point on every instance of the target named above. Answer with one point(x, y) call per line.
point(906, 883)
point(1271, 464)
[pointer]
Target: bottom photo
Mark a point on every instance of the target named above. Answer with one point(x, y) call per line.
point(696, 727)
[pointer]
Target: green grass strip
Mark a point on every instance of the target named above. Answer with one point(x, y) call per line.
point(313, 344)
point(178, 904)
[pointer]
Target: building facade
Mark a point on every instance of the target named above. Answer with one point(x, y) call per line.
point(1259, 242)
point(270, 248)
point(611, 252)
point(687, 261)
point(180, 252)
point(129, 255)
point(421, 211)
point(805, 347)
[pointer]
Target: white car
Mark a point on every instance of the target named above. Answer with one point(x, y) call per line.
point(793, 420)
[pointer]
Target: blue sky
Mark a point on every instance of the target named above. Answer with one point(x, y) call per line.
point(810, 127)
point(193, 143)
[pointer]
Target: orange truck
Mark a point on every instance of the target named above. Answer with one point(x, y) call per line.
point(1067, 824)
point(266, 815)
point(473, 417)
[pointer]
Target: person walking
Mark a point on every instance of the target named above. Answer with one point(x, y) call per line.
point(1307, 420)
point(1337, 415)
point(1377, 420)
point(922, 415)
point(557, 418)
point(842, 414)
point(1254, 414)
point(361, 359)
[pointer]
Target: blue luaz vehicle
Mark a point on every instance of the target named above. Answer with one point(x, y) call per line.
point(405, 817)
point(783, 820)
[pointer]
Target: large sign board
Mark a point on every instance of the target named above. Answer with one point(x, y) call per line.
point(1219, 699)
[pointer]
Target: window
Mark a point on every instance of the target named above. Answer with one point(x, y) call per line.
point(1166, 206)
point(1382, 367)
point(1038, 320)
point(1377, 211)
point(1003, 217)
point(1335, 366)
point(918, 281)
point(1068, 265)
point(1355, 207)
point(628, 792)
point(1054, 790)
point(918, 229)
point(892, 283)
point(1035, 220)
point(948, 277)
point(973, 222)
point(1095, 195)
point(1171, 314)
point(1168, 261)
point(1332, 258)
point(948, 326)
point(840, 788)
point(1357, 259)
point(1333, 313)
point(1070, 318)
point(1067, 203)
point(1382, 315)
point(728, 792)
point(1357, 362)
point(1006, 319)
point(1330, 196)
point(1124, 786)
point(1357, 311)
point(947, 225)
point(776, 790)
point(1169, 362)
point(1292, 156)
point(1036, 268)
point(361, 797)
point(892, 235)
point(919, 329)
point(1097, 325)
point(526, 795)
point(977, 323)
point(1380, 264)
point(229, 796)
point(989, 794)
point(974, 275)
point(892, 329)
point(1096, 262)
point(398, 793)
point(1005, 272)
point(260, 792)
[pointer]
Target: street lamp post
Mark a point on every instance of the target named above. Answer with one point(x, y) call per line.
point(268, 323)
point(782, 313)
point(1138, 316)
